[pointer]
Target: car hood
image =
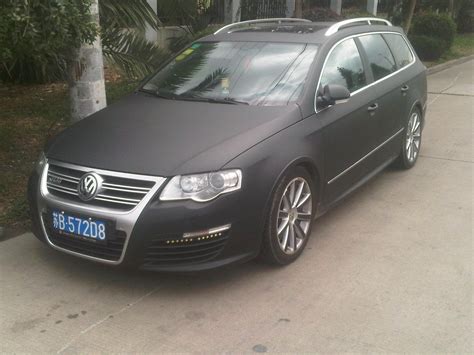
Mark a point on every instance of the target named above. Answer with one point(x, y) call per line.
point(144, 134)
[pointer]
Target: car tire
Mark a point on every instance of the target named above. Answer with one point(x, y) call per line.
point(290, 218)
point(411, 143)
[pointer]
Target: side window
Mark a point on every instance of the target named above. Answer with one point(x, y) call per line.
point(344, 67)
point(399, 47)
point(380, 58)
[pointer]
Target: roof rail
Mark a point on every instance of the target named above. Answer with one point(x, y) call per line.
point(334, 28)
point(263, 20)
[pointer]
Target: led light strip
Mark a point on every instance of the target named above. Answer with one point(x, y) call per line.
point(207, 232)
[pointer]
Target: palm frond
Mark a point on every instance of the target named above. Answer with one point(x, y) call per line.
point(131, 52)
point(135, 14)
point(211, 81)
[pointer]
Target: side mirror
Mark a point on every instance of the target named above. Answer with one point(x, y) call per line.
point(333, 94)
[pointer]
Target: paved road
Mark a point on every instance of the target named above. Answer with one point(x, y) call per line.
point(391, 269)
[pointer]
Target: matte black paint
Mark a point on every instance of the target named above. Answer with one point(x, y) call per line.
point(147, 135)
point(144, 134)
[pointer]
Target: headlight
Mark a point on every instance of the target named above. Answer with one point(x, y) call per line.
point(202, 187)
point(40, 163)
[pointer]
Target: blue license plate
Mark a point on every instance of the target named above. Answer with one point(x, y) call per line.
point(87, 228)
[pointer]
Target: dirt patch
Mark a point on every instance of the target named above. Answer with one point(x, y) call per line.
point(30, 115)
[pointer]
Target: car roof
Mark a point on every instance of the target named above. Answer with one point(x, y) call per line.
point(297, 30)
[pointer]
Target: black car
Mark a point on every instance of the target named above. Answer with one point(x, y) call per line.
point(234, 147)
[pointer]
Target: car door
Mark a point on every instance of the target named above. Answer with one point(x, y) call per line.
point(389, 103)
point(349, 129)
point(404, 58)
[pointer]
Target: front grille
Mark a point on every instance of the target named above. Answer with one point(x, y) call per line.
point(112, 250)
point(117, 192)
point(181, 251)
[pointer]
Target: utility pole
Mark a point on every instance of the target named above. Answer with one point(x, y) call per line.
point(86, 76)
point(298, 8)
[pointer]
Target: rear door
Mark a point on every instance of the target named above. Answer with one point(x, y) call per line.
point(389, 103)
point(407, 81)
point(349, 130)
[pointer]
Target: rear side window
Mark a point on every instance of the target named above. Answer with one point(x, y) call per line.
point(380, 58)
point(344, 67)
point(399, 47)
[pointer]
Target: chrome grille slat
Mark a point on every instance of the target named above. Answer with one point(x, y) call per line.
point(125, 190)
point(64, 176)
point(106, 184)
point(62, 190)
point(63, 180)
point(115, 201)
point(61, 187)
point(119, 198)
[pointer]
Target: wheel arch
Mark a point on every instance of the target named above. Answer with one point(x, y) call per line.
point(417, 104)
point(313, 170)
point(311, 167)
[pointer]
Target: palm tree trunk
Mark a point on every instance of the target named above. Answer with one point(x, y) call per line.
point(86, 76)
point(411, 10)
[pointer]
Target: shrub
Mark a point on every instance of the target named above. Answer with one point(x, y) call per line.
point(353, 12)
point(321, 14)
point(465, 18)
point(39, 37)
point(428, 48)
point(440, 26)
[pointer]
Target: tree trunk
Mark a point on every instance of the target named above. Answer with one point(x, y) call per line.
point(298, 8)
point(451, 8)
point(86, 76)
point(409, 17)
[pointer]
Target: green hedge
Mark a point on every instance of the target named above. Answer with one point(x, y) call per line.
point(321, 14)
point(428, 48)
point(435, 25)
point(432, 34)
point(465, 19)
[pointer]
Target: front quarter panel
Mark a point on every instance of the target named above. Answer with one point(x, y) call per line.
point(264, 164)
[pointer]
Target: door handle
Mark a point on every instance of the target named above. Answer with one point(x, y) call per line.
point(373, 107)
point(405, 88)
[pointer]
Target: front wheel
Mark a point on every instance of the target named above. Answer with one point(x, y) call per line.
point(290, 219)
point(411, 143)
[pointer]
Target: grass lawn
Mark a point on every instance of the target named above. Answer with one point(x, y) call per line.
point(463, 46)
point(29, 116)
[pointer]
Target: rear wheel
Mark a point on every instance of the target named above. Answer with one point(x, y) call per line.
point(290, 219)
point(412, 141)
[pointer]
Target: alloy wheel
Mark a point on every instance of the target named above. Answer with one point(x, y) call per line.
point(294, 215)
point(413, 137)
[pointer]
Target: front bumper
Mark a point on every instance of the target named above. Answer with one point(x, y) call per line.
point(150, 236)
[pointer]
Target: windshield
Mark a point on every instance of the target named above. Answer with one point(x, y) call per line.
point(253, 73)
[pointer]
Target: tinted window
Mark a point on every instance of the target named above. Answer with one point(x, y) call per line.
point(344, 67)
point(380, 58)
point(257, 73)
point(400, 49)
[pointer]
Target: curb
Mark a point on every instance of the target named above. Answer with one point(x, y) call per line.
point(437, 68)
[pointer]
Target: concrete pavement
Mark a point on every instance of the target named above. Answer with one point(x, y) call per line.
point(390, 269)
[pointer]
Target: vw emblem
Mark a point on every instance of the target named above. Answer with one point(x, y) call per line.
point(89, 186)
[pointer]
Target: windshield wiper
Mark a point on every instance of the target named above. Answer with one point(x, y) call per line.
point(169, 96)
point(229, 100)
point(160, 95)
point(225, 100)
